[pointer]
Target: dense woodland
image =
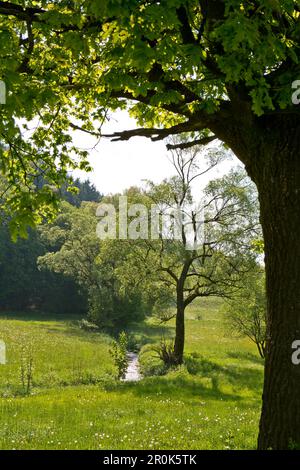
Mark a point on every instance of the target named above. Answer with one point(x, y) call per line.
point(23, 285)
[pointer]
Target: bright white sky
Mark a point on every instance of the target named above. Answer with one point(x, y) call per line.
point(119, 165)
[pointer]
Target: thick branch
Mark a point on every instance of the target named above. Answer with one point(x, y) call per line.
point(158, 134)
point(35, 15)
point(185, 145)
point(24, 67)
point(185, 28)
point(173, 108)
point(19, 12)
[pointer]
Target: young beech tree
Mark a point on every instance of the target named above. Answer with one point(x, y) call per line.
point(215, 264)
point(217, 69)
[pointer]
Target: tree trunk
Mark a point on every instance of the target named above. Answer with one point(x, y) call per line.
point(180, 330)
point(278, 180)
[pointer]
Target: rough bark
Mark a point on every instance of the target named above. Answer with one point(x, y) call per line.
point(269, 148)
point(279, 191)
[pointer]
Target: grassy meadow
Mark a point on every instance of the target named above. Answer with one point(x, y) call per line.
point(212, 402)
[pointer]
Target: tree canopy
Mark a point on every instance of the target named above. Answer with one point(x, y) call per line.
point(210, 68)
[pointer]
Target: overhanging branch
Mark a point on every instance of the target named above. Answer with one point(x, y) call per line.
point(186, 145)
point(159, 134)
point(19, 12)
point(35, 14)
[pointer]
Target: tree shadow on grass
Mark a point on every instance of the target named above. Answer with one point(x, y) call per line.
point(238, 376)
point(63, 325)
point(150, 332)
point(206, 381)
point(38, 316)
point(246, 356)
point(177, 387)
point(143, 333)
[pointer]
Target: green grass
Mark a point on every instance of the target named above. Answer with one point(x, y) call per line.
point(76, 404)
point(62, 353)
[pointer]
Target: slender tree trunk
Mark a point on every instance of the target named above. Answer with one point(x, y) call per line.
point(261, 349)
point(278, 180)
point(180, 330)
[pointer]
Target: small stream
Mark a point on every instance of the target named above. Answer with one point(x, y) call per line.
point(132, 373)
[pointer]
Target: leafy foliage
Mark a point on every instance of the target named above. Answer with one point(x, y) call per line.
point(78, 253)
point(246, 314)
point(119, 354)
point(182, 66)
